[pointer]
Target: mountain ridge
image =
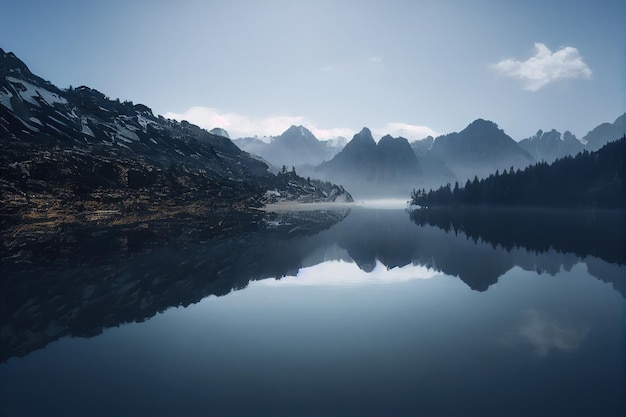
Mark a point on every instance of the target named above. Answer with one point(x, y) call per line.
point(76, 158)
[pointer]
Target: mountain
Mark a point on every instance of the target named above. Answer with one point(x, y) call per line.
point(549, 146)
point(396, 159)
point(295, 147)
point(337, 143)
point(422, 147)
point(605, 133)
point(479, 149)
point(254, 146)
point(387, 168)
point(75, 156)
point(218, 131)
point(356, 160)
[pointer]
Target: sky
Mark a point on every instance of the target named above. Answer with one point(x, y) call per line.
point(408, 68)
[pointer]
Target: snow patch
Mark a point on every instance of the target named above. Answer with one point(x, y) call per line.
point(143, 122)
point(72, 114)
point(29, 126)
point(57, 120)
point(31, 91)
point(125, 134)
point(86, 130)
point(5, 98)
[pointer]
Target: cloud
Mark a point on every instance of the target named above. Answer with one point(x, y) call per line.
point(545, 332)
point(235, 124)
point(411, 132)
point(324, 134)
point(544, 67)
point(238, 125)
point(375, 59)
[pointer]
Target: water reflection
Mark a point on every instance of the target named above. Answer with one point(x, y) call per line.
point(364, 318)
point(39, 303)
point(340, 272)
point(534, 239)
point(545, 332)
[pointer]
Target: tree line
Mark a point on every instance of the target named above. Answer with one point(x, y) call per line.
point(589, 180)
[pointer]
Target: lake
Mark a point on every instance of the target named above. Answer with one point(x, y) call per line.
point(381, 313)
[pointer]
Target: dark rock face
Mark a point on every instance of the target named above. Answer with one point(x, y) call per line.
point(396, 158)
point(357, 159)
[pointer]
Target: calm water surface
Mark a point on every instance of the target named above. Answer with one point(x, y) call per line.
point(380, 315)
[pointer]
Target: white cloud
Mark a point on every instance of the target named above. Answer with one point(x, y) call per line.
point(544, 67)
point(235, 124)
point(238, 125)
point(324, 134)
point(411, 132)
point(375, 59)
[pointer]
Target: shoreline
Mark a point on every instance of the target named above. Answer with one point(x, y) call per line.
point(391, 204)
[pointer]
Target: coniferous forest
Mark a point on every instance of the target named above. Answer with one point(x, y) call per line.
point(587, 180)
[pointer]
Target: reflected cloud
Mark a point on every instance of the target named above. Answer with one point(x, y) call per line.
point(344, 273)
point(546, 332)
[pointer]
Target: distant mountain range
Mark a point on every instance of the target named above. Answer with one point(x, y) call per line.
point(604, 133)
point(389, 167)
point(296, 147)
point(479, 149)
point(393, 166)
point(549, 146)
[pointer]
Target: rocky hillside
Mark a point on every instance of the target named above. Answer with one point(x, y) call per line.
point(76, 156)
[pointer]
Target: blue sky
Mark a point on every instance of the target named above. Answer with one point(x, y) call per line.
point(399, 67)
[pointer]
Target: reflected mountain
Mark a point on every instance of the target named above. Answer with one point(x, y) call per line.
point(141, 273)
point(540, 239)
point(95, 279)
